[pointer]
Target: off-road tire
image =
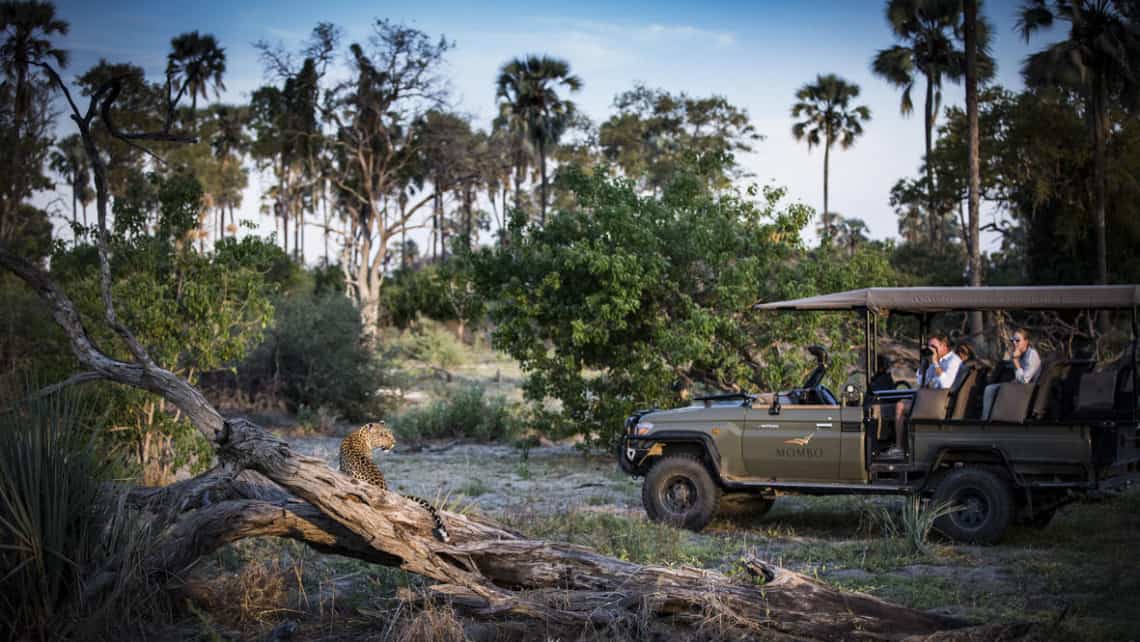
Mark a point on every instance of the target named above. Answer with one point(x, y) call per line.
point(678, 490)
point(988, 504)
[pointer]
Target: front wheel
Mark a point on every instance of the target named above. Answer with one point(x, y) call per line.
point(678, 490)
point(984, 503)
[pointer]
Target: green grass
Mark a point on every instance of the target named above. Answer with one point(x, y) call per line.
point(634, 540)
point(475, 488)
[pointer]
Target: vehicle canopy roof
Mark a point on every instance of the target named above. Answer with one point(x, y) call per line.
point(945, 299)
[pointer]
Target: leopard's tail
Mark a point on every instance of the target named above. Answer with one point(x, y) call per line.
point(440, 531)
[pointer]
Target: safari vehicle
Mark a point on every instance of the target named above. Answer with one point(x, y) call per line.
point(1074, 432)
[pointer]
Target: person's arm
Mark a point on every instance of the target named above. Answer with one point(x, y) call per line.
point(950, 372)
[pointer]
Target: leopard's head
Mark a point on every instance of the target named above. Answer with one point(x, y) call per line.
point(377, 435)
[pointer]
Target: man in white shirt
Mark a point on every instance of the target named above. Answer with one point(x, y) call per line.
point(1027, 363)
point(941, 372)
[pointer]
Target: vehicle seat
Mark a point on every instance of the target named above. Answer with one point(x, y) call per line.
point(1047, 401)
point(930, 404)
point(1097, 395)
point(963, 391)
point(1071, 384)
point(1012, 402)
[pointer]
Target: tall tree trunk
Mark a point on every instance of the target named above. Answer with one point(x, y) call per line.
point(325, 207)
point(1100, 131)
point(542, 170)
point(973, 185)
point(74, 209)
point(826, 161)
point(928, 122)
point(233, 223)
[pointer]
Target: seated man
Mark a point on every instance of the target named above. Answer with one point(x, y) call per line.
point(941, 372)
point(1026, 363)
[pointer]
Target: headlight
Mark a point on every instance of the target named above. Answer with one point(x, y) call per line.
point(643, 428)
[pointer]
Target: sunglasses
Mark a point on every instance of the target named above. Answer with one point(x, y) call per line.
point(1015, 340)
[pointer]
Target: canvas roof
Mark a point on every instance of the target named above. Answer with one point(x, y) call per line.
point(1042, 297)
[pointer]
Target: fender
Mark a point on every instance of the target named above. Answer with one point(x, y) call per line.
point(668, 437)
point(989, 453)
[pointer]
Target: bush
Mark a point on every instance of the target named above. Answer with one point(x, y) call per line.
point(432, 344)
point(316, 356)
point(58, 528)
point(467, 413)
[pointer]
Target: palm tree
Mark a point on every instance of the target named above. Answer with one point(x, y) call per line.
point(1100, 58)
point(929, 31)
point(528, 89)
point(852, 234)
point(27, 26)
point(828, 117)
point(69, 159)
point(198, 63)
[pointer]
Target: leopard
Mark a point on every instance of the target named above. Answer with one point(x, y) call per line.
point(356, 461)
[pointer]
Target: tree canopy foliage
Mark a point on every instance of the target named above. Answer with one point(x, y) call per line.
point(627, 300)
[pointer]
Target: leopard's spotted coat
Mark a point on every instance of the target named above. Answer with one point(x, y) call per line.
point(356, 460)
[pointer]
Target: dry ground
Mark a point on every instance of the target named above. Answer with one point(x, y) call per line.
point(1078, 574)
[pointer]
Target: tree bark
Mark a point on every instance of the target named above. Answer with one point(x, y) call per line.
point(542, 170)
point(973, 186)
point(928, 122)
point(826, 162)
point(1100, 130)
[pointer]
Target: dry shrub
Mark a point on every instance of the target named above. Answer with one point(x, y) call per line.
point(255, 594)
point(435, 622)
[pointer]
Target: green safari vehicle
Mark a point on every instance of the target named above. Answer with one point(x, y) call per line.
point(1074, 432)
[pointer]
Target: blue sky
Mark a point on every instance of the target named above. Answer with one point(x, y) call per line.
point(756, 54)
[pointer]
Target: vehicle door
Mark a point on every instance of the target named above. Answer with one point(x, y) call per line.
point(793, 443)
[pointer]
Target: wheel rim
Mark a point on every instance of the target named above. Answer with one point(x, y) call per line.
point(679, 495)
point(974, 510)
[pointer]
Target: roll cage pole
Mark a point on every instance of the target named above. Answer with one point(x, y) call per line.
point(1135, 375)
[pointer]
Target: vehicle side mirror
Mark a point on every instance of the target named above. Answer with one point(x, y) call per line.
point(774, 409)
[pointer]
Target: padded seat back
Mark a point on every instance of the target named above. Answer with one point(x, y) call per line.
point(930, 404)
point(1047, 401)
point(1071, 384)
point(1012, 402)
point(964, 393)
point(1097, 394)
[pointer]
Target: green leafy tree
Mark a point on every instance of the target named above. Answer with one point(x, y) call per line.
point(1098, 60)
point(655, 134)
point(528, 91)
point(193, 313)
point(828, 117)
point(929, 31)
point(623, 300)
